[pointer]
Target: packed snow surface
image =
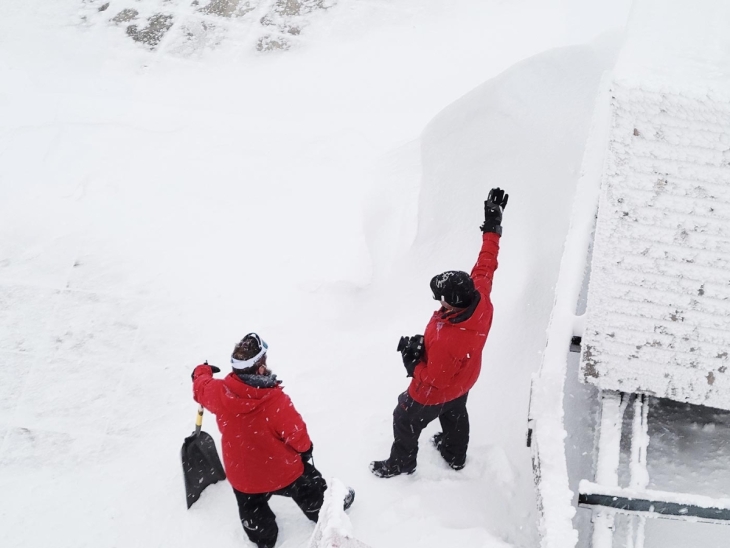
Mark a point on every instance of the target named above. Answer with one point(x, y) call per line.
point(158, 204)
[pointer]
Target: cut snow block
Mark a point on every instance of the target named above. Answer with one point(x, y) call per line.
point(334, 529)
point(658, 313)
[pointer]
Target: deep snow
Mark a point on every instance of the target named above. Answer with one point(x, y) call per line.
point(156, 207)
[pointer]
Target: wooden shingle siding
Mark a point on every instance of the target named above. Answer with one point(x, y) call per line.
point(658, 316)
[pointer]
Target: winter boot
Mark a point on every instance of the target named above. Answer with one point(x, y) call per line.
point(388, 469)
point(438, 440)
point(349, 497)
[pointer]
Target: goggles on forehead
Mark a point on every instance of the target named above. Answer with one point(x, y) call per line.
point(243, 364)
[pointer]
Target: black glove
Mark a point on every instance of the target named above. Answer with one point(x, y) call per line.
point(213, 368)
point(412, 350)
point(493, 207)
point(307, 455)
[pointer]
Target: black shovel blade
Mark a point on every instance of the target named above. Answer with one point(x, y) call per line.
point(201, 465)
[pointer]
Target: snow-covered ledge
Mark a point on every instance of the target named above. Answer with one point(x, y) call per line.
point(546, 417)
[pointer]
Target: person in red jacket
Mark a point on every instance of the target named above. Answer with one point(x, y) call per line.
point(266, 448)
point(445, 361)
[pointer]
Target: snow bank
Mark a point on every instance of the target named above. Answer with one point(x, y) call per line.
point(548, 401)
point(677, 47)
point(524, 131)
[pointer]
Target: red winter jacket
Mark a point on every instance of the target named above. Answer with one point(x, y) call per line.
point(453, 356)
point(261, 432)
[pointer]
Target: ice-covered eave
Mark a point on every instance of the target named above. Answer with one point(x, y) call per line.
point(546, 405)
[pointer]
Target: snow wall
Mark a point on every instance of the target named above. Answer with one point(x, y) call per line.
point(524, 131)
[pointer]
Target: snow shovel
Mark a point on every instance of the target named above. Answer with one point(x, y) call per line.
point(200, 462)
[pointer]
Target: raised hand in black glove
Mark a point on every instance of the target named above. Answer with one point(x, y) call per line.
point(307, 455)
point(493, 206)
point(412, 350)
point(213, 369)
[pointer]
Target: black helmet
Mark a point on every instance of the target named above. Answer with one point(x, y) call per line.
point(455, 287)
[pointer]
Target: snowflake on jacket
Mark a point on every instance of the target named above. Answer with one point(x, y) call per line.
point(454, 342)
point(262, 434)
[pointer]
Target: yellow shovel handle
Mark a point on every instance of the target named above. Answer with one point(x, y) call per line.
point(199, 420)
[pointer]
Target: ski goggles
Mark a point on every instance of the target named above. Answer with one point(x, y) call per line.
point(243, 364)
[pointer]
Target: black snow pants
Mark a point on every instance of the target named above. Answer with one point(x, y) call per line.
point(411, 417)
point(259, 522)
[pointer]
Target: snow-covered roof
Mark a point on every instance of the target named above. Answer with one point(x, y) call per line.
point(658, 316)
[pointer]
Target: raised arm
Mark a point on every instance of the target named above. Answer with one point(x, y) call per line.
point(483, 271)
